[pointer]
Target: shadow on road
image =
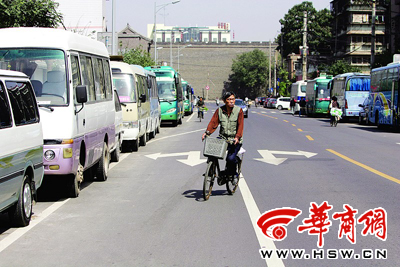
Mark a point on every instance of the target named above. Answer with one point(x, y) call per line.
point(198, 194)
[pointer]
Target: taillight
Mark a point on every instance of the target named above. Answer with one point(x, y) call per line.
point(345, 105)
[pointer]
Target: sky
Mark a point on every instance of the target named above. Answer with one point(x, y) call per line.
point(250, 20)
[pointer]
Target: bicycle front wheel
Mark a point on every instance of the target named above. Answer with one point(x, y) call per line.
point(209, 177)
point(233, 182)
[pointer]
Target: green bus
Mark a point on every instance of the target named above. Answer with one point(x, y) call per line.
point(318, 95)
point(187, 97)
point(170, 93)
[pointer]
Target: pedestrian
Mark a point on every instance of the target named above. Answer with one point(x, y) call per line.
point(302, 105)
point(256, 102)
point(292, 105)
point(333, 104)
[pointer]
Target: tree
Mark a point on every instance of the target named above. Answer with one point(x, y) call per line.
point(138, 56)
point(249, 74)
point(339, 67)
point(29, 13)
point(319, 30)
point(284, 83)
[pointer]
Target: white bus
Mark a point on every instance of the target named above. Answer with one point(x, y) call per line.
point(131, 84)
point(297, 91)
point(155, 108)
point(71, 77)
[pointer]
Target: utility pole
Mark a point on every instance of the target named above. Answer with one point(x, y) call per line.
point(275, 60)
point(113, 35)
point(305, 47)
point(269, 81)
point(373, 35)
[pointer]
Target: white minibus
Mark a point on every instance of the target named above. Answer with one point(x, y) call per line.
point(131, 84)
point(21, 146)
point(71, 77)
point(155, 108)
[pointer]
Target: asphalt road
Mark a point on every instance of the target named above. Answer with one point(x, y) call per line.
point(150, 211)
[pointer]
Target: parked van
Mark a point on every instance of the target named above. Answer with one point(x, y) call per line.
point(21, 146)
point(118, 129)
point(283, 103)
point(131, 84)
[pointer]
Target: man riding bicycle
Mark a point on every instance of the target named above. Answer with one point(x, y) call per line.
point(231, 121)
point(200, 106)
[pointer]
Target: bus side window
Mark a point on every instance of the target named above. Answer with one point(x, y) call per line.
point(76, 74)
point(5, 113)
point(107, 78)
point(87, 74)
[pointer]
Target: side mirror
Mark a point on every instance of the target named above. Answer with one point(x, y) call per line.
point(81, 94)
point(142, 98)
point(361, 105)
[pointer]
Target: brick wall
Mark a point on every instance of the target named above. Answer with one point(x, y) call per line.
point(208, 64)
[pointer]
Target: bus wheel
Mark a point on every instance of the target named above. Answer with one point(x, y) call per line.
point(75, 182)
point(103, 164)
point(21, 212)
point(143, 140)
point(377, 120)
point(134, 145)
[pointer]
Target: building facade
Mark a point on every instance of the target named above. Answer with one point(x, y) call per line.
point(83, 17)
point(206, 34)
point(352, 31)
point(128, 39)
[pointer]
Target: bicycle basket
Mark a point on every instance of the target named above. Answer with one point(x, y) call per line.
point(215, 147)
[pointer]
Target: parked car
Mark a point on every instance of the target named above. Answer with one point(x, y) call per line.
point(266, 101)
point(283, 103)
point(261, 100)
point(242, 104)
point(21, 142)
point(365, 107)
point(271, 103)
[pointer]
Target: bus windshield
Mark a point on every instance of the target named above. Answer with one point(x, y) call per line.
point(44, 67)
point(166, 90)
point(125, 85)
point(358, 84)
point(322, 90)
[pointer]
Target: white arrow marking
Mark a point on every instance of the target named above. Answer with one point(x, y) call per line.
point(193, 157)
point(268, 156)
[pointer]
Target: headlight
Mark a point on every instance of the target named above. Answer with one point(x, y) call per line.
point(131, 124)
point(171, 110)
point(49, 155)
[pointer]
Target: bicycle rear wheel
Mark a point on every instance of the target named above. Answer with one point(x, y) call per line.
point(233, 182)
point(209, 177)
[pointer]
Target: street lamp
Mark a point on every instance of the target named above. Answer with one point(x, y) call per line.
point(179, 50)
point(155, 23)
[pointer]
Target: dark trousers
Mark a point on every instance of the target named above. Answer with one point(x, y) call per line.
point(231, 161)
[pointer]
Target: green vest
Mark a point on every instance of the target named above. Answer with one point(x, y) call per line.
point(228, 126)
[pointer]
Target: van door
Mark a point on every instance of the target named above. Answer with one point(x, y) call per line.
point(77, 80)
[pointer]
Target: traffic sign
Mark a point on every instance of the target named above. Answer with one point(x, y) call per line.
point(207, 87)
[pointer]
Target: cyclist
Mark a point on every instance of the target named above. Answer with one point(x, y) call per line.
point(200, 105)
point(333, 104)
point(231, 121)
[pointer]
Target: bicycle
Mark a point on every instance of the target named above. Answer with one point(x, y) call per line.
point(215, 149)
point(200, 113)
point(337, 113)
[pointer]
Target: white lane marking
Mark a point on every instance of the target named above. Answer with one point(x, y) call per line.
point(170, 136)
point(263, 112)
point(191, 116)
point(254, 213)
point(14, 236)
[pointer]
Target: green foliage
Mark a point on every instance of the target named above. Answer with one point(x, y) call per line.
point(249, 74)
point(138, 56)
point(339, 67)
point(318, 30)
point(29, 13)
point(284, 83)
